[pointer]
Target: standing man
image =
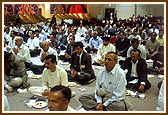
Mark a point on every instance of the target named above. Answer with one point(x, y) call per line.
point(110, 88)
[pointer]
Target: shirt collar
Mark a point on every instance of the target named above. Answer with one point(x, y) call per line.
point(113, 70)
point(80, 54)
point(21, 46)
point(133, 62)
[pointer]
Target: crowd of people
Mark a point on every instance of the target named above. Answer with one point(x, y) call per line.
point(137, 39)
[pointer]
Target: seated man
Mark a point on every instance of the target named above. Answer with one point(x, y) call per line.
point(33, 44)
point(135, 45)
point(52, 75)
point(94, 43)
point(69, 50)
point(15, 72)
point(110, 90)
point(22, 51)
point(59, 98)
point(45, 50)
point(137, 71)
point(103, 49)
point(152, 45)
point(81, 65)
point(158, 61)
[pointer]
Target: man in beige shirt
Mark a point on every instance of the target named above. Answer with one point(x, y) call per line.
point(52, 75)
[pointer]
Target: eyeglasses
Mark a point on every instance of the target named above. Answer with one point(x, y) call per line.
point(109, 59)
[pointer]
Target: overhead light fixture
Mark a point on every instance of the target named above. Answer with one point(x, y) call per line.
point(109, 5)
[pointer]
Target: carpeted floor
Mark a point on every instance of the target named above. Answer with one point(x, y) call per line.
point(17, 101)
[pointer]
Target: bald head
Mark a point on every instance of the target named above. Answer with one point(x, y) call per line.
point(18, 41)
point(18, 38)
point(44, 45)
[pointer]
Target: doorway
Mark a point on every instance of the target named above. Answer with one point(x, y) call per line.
point(109, 13)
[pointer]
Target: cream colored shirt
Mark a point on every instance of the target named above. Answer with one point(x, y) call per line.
point(51, 79)
point(161, 40)
point(23, 54)
point(103, 50)
point(50, 51)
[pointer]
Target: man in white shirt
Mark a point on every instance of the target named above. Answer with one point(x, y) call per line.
point(11, 41)
point(33, 44)
point(40, 36)
point(103, 49)
point(52, 75)
point(160, 101)
point(110, 88)
point(135, 45)
point(81, 30)
point(59, 98)
point(135, 35)
point(46, 50)
point(22, 51)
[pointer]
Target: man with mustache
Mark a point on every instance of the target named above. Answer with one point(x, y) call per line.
point(52, 75)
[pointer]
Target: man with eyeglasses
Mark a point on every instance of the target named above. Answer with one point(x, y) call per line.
point(110, 90)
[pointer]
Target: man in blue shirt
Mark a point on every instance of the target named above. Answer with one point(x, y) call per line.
point(94, 43)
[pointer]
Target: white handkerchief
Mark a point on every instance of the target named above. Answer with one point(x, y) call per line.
point(149, 75)
point(134, 81)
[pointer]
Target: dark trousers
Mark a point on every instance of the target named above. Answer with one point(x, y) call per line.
point(136, 85)
point(88, 49)
point(34, 53)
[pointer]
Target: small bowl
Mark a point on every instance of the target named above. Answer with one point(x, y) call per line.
point(133, 94)
point(142, 96)
point(32, 101)
point(29, 105)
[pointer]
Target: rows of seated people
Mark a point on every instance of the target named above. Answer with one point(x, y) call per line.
point(22, 42)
